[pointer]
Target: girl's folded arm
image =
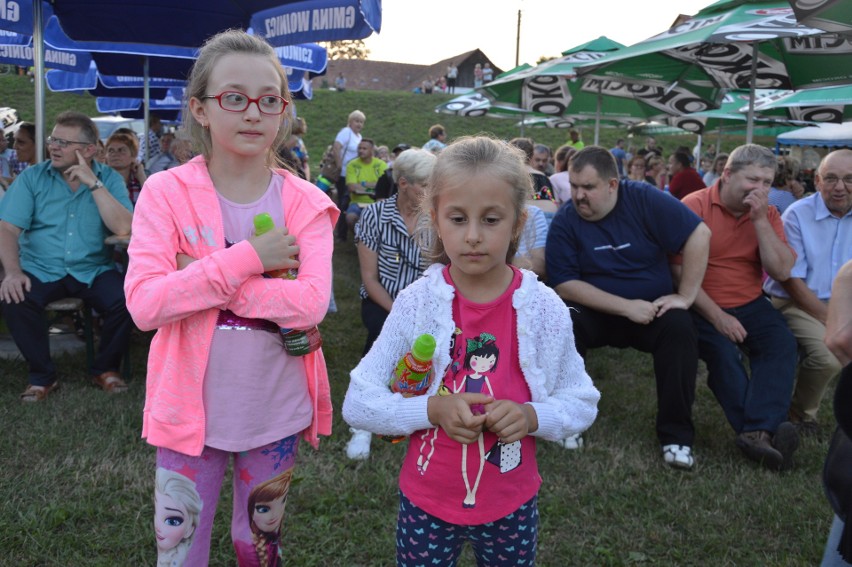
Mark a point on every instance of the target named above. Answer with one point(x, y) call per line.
point(157, 292)
point(304, 301)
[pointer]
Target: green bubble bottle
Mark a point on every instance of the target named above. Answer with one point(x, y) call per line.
point(296, 341)
point(411, 377)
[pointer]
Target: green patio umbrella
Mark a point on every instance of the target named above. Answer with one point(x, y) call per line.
point(553, 89)
point(734, 44)
point(828, 15)
point(829, 104)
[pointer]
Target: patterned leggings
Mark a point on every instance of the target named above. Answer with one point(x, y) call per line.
point(187, 491)
point(423, 539)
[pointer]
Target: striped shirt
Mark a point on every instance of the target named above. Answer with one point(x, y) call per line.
point(382, 229)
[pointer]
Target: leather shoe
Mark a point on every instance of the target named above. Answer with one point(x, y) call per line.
point(757, 446)
point(786, 441)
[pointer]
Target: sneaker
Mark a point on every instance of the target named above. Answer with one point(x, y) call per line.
point(757, 446)
point(678, 456)
point(358, 447)
point(572, 443)
point(786, 441)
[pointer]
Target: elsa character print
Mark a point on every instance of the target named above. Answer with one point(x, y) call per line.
point(177, 506)
point(481, 357)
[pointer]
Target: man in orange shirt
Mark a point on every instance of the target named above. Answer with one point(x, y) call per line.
point(732, 315)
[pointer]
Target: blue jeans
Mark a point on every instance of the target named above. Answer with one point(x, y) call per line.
point(759, 402)
point(29, 328)
point(831, 557)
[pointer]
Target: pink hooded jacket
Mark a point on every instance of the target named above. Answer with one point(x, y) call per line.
point(178, 212)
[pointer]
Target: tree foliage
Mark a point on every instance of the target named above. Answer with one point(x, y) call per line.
point(346, 49)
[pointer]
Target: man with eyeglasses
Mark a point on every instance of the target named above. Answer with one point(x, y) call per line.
point(734, 319)
point(819, 228)
point(53, 223)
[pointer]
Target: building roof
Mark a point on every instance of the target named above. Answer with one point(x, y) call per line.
point(364, 74)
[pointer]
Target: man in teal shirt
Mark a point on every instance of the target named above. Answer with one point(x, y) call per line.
point(53, 222)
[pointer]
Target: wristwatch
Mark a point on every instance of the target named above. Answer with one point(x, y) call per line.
point(97, 185)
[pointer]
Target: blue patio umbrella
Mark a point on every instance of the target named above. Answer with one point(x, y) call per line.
point(17, 49)
point(168, 22)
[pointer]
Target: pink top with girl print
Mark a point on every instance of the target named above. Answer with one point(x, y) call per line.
point(495, 479)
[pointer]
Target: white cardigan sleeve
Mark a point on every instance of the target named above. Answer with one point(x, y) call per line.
point(369, 402)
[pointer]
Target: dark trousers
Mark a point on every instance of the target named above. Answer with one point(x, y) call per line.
point(673, 343)
point(373, 317)
point(758, 402)
point(28, 326)
point(343, 199)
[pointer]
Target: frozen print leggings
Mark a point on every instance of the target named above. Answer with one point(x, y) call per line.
point(423, 539)
point(187, 491)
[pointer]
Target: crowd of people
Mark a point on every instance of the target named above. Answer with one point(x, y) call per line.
point(515, 259)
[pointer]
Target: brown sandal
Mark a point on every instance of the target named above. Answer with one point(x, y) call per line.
point(35, 393)
point(110, 382)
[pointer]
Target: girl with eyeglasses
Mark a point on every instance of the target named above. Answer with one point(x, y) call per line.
point(220, 385)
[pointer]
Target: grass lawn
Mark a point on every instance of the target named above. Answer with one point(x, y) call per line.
point(76, 480)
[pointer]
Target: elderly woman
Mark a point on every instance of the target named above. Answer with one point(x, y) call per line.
point(388, 255)
point(345, 149)
point(121, 151)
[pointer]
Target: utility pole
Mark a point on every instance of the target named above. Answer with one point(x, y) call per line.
point(518, 42)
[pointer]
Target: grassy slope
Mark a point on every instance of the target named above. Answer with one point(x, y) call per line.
point(75, 479)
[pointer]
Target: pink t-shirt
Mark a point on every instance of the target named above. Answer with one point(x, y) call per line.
point(254, 393)
point(484, 352)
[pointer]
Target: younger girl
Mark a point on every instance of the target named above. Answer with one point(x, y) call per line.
point(506, 370)
point(220, 384)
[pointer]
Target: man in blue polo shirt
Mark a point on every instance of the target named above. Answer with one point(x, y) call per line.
point(607, 257)
point(53, 222)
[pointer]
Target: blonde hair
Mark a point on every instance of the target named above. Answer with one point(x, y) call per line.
point(228, 43)
point(470, 156)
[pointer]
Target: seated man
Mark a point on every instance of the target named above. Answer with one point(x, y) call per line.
point(684, 178)
point(362, 174)
point(53, 224)
point(819, 228)
point(606, 256)
point(733, 316)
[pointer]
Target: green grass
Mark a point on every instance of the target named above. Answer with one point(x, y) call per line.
point(76, 479)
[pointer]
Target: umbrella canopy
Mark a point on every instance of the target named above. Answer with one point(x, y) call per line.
point(828, 15)
point(167, 22)
point(830, 104)
point(734, 44)
point(824, 135)
point(17, 49)
point(553, 88)
point(187, 23)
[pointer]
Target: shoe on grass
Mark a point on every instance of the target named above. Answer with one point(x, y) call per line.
point(757, 446)
point(358, 447)
point(678, 456)
point(786, 441)
point(572, 443)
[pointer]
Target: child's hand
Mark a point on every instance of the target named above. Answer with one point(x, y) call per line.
point(453, 414)
point(276, 249)
point(509, 420)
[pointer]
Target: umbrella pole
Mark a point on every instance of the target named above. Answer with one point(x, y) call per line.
point(719, 137)
point(598, 116)
point(750, 116)
point(146, 86)
point(38, 79)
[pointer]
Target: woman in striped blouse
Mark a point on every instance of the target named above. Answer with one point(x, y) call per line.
point(388, 255)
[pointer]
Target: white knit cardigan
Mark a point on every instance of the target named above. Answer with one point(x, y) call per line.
point(563, 395)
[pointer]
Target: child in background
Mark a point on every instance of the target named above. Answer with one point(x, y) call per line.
point(219, 383)
point(507, 369)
